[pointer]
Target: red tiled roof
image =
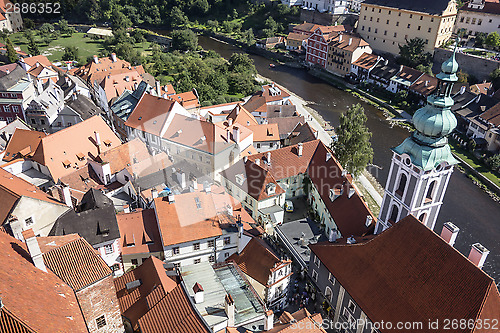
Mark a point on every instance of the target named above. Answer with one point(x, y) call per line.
point(139, 232)
point(349, 42)
point(13, 188)
point(183, 221)
point(366, 61)
point(409, 274)
point(265, 132)
point(481, 88)
point(64, 145)
point(349, 214)
point(296, 36)
point(9, 323)
point(23, 143)
point(124, 155)
point(241, 116)
point(77, 264)
point(134, 302)
point(92, 72)
point(38, 299)
point(41, 59)
point(187, 99)
point(115, 84)
point(301, 319)
point(150, 114)
point(257, 260)
point(492, 115)
point(425, 85)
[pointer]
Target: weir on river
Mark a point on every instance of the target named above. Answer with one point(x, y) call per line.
point(465, 204)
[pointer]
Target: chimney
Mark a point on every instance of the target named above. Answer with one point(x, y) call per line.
point(268, 320)
point(462, 90)
point(97, 138)
point(478, 254)
point(126, 208)
point(230, 121)
point(195, 183)
point(328, 156)
point(96, 60)
point(257, 161)
point(198, 293)
point(154, 193)
point(237, 109)
point(229, 303)
point(299, 149)
point(228, 135)
point(368, 220)
point(29, 77)
point(34, 249)
point(236, 134)
point(350, 41)
point(66, 195)
point(449, 233)
point(332, 238)
point(68, 66)
point(113, 57)
point(268, 157)
point(181, 178)
point(36, 64)
point(351, 192)
point(340, 38)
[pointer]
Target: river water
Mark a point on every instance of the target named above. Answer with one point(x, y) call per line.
point(467, 206)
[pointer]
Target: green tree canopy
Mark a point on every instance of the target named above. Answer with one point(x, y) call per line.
point(493, 39)
point(184, 40)
point(241, 63)
point(33, 47)
point(413, 53)
point(11, 53)
point(353, 148)
point(70, 53)
point(495, 78)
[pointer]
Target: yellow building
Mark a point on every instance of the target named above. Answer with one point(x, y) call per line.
point(386, 25)
point(343, 50)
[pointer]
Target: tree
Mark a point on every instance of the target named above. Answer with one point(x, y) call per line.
point(28, 23)
point(426, 69)
point(11, 53)
point(241, 63)
point(184, 40)
point(70, 53)
point(413, 53)
point(213, 25)
point(248, 37)
point(493, 39)
point(494, 162)
point(178, 18)
point(480, 39)
point(64, 28)
point(353, 148)
point(120, 20)
point(495, 78)
point(33, 47)
point(46, 28)
point(462, 76)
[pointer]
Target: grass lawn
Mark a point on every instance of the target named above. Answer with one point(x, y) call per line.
point(86, 46)
point(472, 161)
point(479, 53)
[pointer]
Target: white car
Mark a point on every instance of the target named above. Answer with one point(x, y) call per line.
point(288, 206)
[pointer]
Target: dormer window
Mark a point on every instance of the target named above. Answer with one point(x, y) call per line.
point(80, 156)
point(271, 188)
point(66, 164)
point(107, 143)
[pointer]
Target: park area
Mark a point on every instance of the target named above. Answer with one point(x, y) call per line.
point(86, 46)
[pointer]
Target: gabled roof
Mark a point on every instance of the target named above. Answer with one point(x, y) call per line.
point(423, 6)
point(105, 66)
point(348, 42)
point(490, 7)
point(83, 106)
point(23, 143)
point(139, 232)
point(302, 133)
point(9, 79)
point(349, 214)
point(56, 149)
point(241, 116)
point(268, 93)
point(124, 155)
point(157, 304)
point(187, 99)
point(7, 131)
point(252, 179)
point(34, 298)
point(366, 61)
point(197, 215)
point(492, 115)
point(257, 260)
point(296, 36)
point(306, 27)
point(424, 85)
point(277, 111)
point(301, 318)
point(41, 59)
point(77, 264)
point(482, 88)
point(115, 84)
point(407, 75)
point(12, 188)
point(95, 220)
point(409, 274)
point(286, 124)
point(150, 114)
point(265, 132)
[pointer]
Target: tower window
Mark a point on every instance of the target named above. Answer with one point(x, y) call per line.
point(402, 185)
point(430, 192)
point(394, 214)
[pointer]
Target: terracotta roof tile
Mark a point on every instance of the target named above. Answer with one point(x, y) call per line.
point(409, 267)
point(41, 59)
point(77, 264)
point(257, 260)
point(366, 61)
point(296, 36)
point(133, 301)
point(23, 143)
point(115, 84)
point(139, 232)
point(349, 42)
point(302, 318)
point(38, 299)
point(64, 145)
point(92, 71)
point(150, 114)
point(481, 88)
point(125, 155)
point(241, 116)
point(187, 99)
point(424, 85)
point(9, 323)
point(492, 115)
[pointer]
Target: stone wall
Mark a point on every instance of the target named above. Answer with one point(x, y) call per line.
point(472, 65)
point(313, 16)
point(100, 299)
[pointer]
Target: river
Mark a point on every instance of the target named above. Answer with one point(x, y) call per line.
point(466, 205)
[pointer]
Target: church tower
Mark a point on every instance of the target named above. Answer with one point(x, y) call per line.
point(422, 165)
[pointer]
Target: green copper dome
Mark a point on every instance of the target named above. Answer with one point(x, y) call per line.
point(428, 145)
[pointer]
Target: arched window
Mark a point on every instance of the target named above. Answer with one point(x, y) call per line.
point(394, 214)
point(402, 185)
point(328, 294)
point(422, 217)
point(430, 192)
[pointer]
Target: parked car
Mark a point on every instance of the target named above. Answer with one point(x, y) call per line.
point(289, 206)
